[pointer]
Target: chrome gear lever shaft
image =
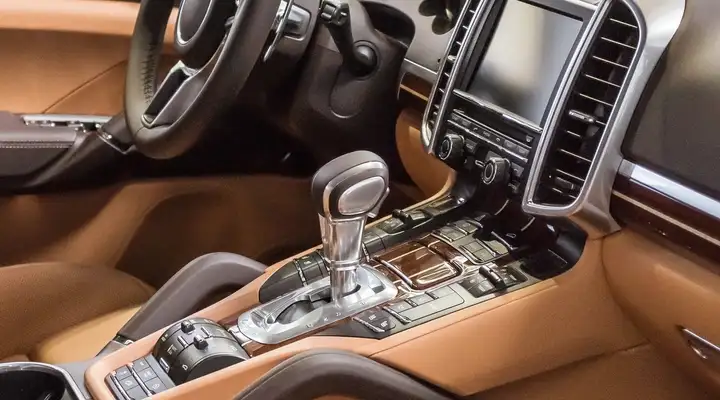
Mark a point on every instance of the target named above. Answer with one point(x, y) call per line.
point(346, 191)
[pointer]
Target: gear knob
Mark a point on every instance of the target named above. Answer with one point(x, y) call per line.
point(351, 186)
point(345, 192)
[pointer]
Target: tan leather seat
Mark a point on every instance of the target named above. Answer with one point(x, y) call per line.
point(60, 313)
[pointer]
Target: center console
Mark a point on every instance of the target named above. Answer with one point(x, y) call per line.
point(525, 106)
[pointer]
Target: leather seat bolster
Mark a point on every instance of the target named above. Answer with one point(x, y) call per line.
point(82, 341)
point(46, 298)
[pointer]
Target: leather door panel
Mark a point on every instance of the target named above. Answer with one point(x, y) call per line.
point(663, 288)
point(65, 56)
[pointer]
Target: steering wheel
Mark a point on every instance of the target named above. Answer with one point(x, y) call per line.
point(218, 41)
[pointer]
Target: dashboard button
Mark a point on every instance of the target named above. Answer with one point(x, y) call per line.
point(147, 374)
point(136, 393)
point(399, 307)
point(433, 307)
point(128, 383)
point(442, 292)
point(140, 364)
point(155, 385)
point(420, 300)
point(122, 373)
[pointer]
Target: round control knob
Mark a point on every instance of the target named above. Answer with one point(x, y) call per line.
point(196, 347)
point(451, 147)
point(497, 171)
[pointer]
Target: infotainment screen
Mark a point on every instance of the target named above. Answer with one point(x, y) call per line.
point(524, 59)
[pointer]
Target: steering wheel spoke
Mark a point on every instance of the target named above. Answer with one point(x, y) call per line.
point(174, 96)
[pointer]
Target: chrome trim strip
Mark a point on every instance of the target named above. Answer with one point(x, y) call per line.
point(85, 119)
point(427, 135)
point(411, 67)
point(692, 335)
point(71, 385)
point(658, 22)
point(671, 189)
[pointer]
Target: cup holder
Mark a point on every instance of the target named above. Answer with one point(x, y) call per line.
point(36, 381)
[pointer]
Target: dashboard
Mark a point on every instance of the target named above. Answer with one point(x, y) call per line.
point(546, 122)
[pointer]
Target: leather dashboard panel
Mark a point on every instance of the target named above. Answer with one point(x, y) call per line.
point(65, 56)
point(663, 288)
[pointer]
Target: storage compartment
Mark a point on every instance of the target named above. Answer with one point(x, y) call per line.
point(35, 381)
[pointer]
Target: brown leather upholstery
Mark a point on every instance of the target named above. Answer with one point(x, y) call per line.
point(82, 341)
point(41, 300)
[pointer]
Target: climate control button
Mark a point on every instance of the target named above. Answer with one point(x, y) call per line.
point(451, 147)
point(496, 172)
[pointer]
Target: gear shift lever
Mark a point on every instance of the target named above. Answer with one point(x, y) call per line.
point(346, 191)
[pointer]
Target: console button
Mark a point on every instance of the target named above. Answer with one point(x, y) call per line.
point(523, 151)
point(373, 242)
point(470, 146)
point(140, 364)
point(491, 275)
point(399, 307)
point(466, 226)
point(378, 320)
point(433, 307)
point(472, 281)
point(147, 374)
point(497, 247)
point(483, 255)
point(312, 273)
point(473, 246)
point(510, 276)
point(307, 260)
point(136, 393)
point(451, 234)
point(516, 170)
point(155, 385)
point(442, 292)
point(122, 373)
point(128, 383)
point(212, 330)
point(481, 289)
point(187, 326)
point(391, 225)
point(420, 300)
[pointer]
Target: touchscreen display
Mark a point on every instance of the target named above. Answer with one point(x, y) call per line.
point(524, 59)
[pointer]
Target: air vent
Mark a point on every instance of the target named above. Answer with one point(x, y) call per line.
point(443, 79)
point(585, 119)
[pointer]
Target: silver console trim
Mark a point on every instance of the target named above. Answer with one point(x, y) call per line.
point(658, 21)
point(670, 188)
point(261, 324)
point(427, 135)
point(72, 386)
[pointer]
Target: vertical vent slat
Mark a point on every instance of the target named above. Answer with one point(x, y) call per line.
point(585, 118)
point(455, 44)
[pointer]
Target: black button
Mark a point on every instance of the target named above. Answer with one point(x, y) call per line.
point(140, 364)
point(136, 393)
point(215, 331)
point(128, 382)
point(472, 281)
point(451, 234)
point(516, 170)
point(483, 255)
point(312, 273)
point(200, 342)
point(470, 146)
point(491, 275)
point(420, 300)
point(391, 225)
point(481, 289)
point(307, 260)
point(147, 374)
point(155, 385)
point(378, 319)
point(466, 226)
point(472, 247)
point(399, 307)
point(523, 151)
point(187, 326)
point(442, 292)
point(510, 145)
point(372, 242)
point(122, 373)
point(433, 307)
point(497, 247)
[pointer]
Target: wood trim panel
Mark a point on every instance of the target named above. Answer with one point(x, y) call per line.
point(641, 206)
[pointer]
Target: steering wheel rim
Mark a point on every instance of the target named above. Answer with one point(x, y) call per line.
point(166, 120)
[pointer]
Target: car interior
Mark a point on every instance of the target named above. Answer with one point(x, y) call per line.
point(359, 199)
